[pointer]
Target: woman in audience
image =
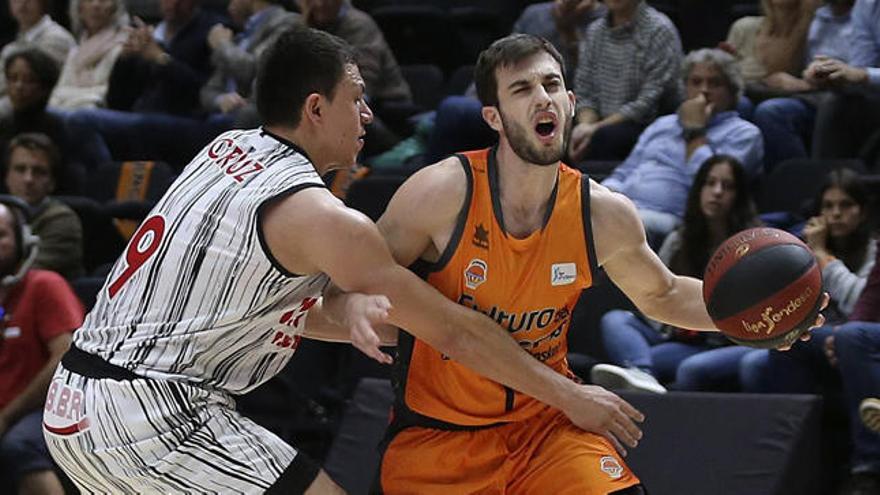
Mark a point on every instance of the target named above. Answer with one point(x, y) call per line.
point(30, 76)
point(37, 29)
point(770, 48)
point(100, 26)
point(718, 206)
point(840, 236)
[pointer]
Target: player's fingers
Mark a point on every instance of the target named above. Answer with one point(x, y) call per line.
point(631, 411)
point(615, 442)
point(626, 431)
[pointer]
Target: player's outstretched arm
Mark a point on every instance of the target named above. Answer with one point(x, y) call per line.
point(622, 250)
point(312, 231)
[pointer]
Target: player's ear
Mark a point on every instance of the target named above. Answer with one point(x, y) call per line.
point(492, 117)
point(313, 108)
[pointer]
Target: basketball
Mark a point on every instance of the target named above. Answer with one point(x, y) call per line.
point(763, 288)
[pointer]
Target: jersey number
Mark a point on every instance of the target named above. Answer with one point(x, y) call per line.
point(143, 244)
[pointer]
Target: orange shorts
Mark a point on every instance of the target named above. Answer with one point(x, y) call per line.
point(546, 454)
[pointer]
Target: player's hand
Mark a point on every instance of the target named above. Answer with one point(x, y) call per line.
point(597, 410)
point(364, 317)
point(820, 320)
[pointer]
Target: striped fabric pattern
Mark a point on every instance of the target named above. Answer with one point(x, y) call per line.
point(628, 69)
point(206, 304)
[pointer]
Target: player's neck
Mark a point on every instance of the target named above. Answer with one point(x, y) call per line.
point(306, 141)
point(525, 190)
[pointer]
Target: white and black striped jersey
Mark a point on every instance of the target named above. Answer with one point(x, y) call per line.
point(197, 295)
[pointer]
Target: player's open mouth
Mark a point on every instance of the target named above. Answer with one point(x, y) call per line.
point(546, 127)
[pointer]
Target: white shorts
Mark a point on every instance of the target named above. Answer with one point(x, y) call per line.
point(137, 435)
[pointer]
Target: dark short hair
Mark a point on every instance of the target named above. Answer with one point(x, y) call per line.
point(45, 67)
point(506, 52)
point(302, 61)
point(34, 141)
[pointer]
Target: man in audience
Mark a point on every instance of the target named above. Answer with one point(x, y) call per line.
point(843, 125)
point(627, 70)
point(34, 340)
point(31, 167)
point(658, 173)
point(562, 23)
point(163, 69)
point(235, 57)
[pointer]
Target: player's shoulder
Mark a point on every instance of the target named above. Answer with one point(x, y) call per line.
point(614, 217)
point(431, 196)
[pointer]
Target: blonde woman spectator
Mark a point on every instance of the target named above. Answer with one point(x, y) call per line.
point(101, 28)
point(770, 48)
point(35, 28)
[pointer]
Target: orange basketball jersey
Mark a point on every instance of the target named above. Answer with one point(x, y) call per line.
point(528, 286)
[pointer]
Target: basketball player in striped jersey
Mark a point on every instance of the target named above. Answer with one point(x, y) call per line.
point(225, 276)
point(512, 232)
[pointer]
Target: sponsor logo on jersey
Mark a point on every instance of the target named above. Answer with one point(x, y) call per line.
point(563, 273)
point(481, 237)
point(64, 412)
point(611, 467)
point(475, 273)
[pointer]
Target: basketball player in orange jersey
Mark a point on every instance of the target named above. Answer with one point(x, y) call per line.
point(513, 233)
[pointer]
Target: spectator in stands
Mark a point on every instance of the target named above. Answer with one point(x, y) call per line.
point(32, 164)
point(35, 28)
point(770, 48)
point(853, 114)
point(154, 89)
point(627, 70)
point(787, 122)
point(30, 75)
point(561, 22)
point(658, 173)
point(40, 312)
point(840, 236)
point(855, 348)
point(235, 57)
point(101, 28)
point(386, 87)
point(643, 352)
point(162, 70)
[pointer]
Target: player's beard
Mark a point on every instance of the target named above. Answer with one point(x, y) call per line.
point(518, 137)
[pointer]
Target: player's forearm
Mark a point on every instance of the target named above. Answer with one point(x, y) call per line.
point(472, 339)
point(681, 306)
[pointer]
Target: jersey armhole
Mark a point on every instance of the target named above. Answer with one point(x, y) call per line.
point(265, 247)
point(423, 268)
point(588, 227)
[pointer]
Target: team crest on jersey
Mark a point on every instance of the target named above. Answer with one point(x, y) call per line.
point(64, 412)
point(475, 273)
point(563, 273)
point(611, 467)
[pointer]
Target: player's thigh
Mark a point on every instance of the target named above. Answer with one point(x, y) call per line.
point(426, 461)
point(573, 461)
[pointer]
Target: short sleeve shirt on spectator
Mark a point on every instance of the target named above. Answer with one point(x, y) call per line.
point(39, 308)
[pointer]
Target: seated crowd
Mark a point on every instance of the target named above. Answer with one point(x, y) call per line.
point(690, 138)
